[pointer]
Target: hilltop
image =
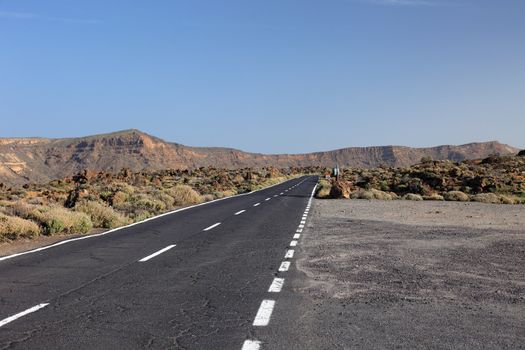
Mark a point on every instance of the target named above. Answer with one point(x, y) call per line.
point(30, 160)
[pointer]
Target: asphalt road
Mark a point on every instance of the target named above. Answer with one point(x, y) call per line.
point(180, 281)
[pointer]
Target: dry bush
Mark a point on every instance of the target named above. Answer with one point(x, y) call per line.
point(323, 189)
point(60, 220)
point(412, 197)
point(434, 197)
point(102, 215)
point(371, 194)
point(12, 227)
point(487, 198)
point(208, 197)
point(456, 196)
point(119, 197)
point(510, 200)
point(184, 195)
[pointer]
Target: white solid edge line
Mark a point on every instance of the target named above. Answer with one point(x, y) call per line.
point(296, 236)
point(240, 212)
point(157, 253)
point(285, 265)
point(289, 254)
point(23, 313)
point(212, 226)
point(293, 243)
point(264, 313)
point(251, 345)
point(276, 286)
point(133, 224)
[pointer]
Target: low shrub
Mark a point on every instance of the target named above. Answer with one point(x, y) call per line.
point(102, 215)
point(12, 227)
point(184, 195)
point(60, 220)
point(486, 198)
point(371, 194)
point(456, 196)
point(323, 189)
point(434, 197)
point(412, 197)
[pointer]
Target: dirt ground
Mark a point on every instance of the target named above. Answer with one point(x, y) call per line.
point(414, 275)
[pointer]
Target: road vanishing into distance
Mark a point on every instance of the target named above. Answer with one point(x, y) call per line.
point(212, 276)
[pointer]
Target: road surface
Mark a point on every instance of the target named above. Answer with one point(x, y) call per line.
point(209, 277)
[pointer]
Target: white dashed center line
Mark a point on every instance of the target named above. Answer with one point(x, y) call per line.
point(157, 253)
point(22, 314)
point(276, 285)
point(265, 312)
point(267, 199)
point(251, 345)
point(285, 265)
point(240, 212)
point(212, 226)
point(256, 204)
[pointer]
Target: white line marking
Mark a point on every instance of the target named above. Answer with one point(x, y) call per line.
point(303, 222)
point(275, 195)
point(131, 225)
point(251, 345)
point(301, 226)
point(281, 193)
point(293, 243)
point(240, 212)
point(267, 199)
point(299, 230)
point(289, 254)
point(256, 204)
point(276, 285)
point(157, 253)
point(285, 265)
point(212, 226)
point(296, 236)
point(265, 312)
point(23, 313)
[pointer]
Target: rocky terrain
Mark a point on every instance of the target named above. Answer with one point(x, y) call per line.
point(87, 200)
point(495, 179)
point(39, 160)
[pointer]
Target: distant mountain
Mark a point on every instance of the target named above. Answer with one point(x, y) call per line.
point(25, 160)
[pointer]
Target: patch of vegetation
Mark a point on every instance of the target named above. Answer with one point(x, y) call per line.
point(105, 200)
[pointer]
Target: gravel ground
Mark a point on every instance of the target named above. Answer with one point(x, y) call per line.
point(413, 275)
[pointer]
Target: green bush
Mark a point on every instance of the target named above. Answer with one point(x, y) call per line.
point(102, 215)
point(12, 227)
point(60, 220)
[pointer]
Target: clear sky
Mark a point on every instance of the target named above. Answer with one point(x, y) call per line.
point(269, 76)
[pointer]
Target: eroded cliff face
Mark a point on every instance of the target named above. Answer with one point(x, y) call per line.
point(40, 160)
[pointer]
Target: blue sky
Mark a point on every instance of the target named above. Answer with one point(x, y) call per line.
point(269, 76)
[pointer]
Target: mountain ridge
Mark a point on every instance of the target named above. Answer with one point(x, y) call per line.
point(35, 159)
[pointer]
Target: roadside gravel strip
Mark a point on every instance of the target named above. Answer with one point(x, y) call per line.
point(408, 275)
